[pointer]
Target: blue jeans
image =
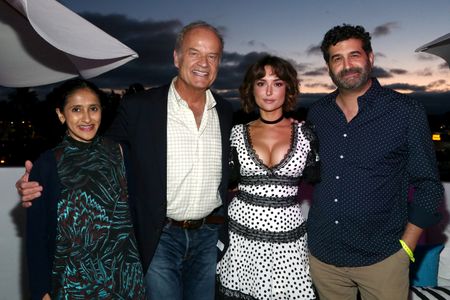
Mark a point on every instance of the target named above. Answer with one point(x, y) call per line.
point(184, 264)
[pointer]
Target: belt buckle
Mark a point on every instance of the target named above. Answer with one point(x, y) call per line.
point(191, 224)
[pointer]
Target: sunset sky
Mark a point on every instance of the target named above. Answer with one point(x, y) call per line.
point(291, 29)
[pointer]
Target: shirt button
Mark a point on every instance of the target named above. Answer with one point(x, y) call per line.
point(344, 135)
point(341, 156)
point(335, 200)
point(336, 222)
point(337, 177)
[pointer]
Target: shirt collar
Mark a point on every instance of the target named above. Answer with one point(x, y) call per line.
point(367, 99)
point(210, 101)
point(372, 93)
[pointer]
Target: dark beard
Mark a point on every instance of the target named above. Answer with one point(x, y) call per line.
point(364, 76)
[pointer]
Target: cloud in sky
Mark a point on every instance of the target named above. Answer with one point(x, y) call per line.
point(254, 43)
point(426, 56)
point(154, 41)
point(427, 72)
point(437, 84)
point(233, 68)
point(384, 29)
point(314, 50)
point(443, 66)
point(327, 86)
point(380, 72)
point(316, 72)
point(300, 67)
point(407, 87)
point(398, 71)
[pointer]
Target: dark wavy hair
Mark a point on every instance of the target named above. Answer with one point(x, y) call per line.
point(58, 97)
point(344, 32)
point(283, 69)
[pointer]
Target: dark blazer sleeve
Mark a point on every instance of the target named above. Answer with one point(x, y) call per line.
point(41, 226)
point(235, 169)
point(311, 173)
point(119, 130)
point(225, 113)
point(140, 127)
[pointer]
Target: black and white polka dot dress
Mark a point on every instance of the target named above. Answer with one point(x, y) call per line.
point(267, 257)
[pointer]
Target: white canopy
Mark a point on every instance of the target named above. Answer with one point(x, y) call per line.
point(43, 42)
point(439, 47)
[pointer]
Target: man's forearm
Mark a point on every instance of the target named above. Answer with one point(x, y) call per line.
point(411, 235)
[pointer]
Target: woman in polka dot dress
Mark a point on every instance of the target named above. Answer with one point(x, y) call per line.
point(267, 257)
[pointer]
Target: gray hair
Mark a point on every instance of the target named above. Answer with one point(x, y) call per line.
point(194, 25)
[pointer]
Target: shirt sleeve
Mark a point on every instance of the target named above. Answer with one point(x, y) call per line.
point(38, 233)
point(422, 171)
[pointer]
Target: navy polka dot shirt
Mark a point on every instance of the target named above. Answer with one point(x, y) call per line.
point(360, 208)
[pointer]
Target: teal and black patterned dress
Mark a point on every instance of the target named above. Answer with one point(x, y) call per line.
point(95, 254)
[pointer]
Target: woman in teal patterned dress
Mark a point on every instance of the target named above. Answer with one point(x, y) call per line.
point(80, 240)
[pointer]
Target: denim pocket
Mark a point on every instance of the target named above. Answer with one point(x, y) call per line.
point(212, 227)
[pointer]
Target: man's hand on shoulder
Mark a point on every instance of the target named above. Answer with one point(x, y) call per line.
point(292, 120)
point(27, 190)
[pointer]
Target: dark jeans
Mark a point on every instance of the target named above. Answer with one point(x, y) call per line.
point(184, 264)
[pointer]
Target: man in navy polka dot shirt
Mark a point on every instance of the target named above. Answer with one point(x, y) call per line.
point(375, 144)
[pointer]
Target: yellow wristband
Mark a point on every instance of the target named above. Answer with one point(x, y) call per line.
point(407, 250)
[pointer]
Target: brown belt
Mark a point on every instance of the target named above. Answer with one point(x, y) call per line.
point(195, 224)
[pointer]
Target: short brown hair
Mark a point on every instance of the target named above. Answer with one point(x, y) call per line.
point(283, 69)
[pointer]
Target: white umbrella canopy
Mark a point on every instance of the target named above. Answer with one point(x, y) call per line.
point(439, 47)
point(43, 42)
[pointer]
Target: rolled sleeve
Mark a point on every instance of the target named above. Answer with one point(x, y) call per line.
point(423, 172)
